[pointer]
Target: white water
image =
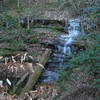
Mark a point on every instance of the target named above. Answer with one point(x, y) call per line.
point(63, 48)
point(73, 32)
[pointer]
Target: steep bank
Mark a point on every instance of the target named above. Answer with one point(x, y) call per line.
point(80, 68)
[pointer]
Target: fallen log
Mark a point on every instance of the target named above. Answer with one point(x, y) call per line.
point(26, 72)
point(22, 78)
point(33, 78)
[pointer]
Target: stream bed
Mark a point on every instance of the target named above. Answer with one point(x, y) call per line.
point(63, 48)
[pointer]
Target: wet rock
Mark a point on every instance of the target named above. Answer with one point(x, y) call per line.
point(77, 46)
point(63, 48)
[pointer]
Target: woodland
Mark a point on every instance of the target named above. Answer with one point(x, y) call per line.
point(30, 32)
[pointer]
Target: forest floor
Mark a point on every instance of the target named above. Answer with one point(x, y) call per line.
point(33, 47)
point(34, 44)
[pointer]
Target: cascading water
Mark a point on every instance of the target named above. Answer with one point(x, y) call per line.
point(63, 48)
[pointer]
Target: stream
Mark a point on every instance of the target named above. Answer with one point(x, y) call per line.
point(63, 48)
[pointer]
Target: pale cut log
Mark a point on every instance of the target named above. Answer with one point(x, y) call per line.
point(33, 78)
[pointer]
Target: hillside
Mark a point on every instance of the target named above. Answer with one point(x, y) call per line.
point(49, 50)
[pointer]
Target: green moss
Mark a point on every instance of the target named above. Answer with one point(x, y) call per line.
point(33, 40)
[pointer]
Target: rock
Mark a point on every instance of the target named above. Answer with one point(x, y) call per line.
point(78, 45)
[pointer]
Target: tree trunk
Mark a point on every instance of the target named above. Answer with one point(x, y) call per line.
point(28, 22)
point(33, 78)
point(73, 4)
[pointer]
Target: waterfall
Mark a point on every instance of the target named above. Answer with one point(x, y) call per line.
point(63, 49)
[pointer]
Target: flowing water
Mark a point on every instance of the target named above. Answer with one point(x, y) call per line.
point(63, 48)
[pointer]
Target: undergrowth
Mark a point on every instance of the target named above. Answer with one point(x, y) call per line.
point(87, 61)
